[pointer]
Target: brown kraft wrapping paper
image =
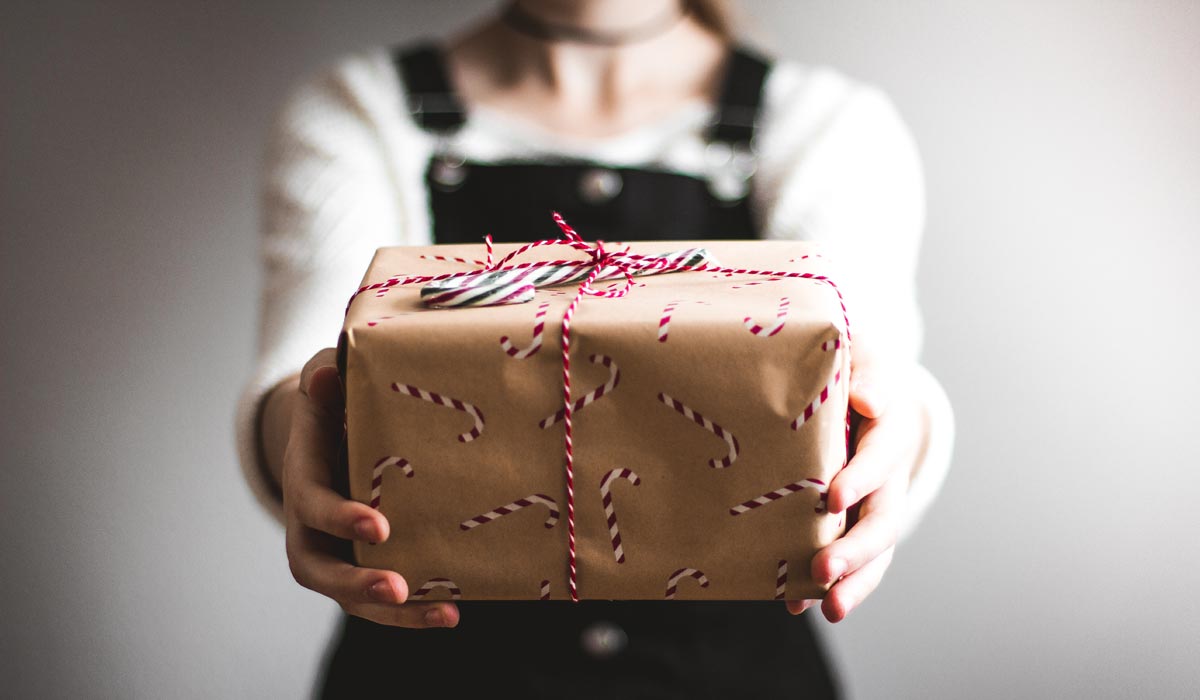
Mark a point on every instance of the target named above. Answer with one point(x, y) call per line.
point(688, 426)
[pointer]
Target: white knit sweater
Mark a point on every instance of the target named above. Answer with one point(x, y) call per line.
point(344, 176)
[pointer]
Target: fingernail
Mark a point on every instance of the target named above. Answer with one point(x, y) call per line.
point(381, 590)
point(435, 618)
point(837, 568)
point(849, 498)
point(364, 528)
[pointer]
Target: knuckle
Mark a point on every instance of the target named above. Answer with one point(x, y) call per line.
point(301, 502)
point(297, 571)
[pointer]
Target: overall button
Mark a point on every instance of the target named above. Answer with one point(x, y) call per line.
point(449, 173)
point(602, 640)
point(599, 185)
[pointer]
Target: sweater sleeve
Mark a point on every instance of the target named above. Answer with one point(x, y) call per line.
point(328, 200)
point(840, 167)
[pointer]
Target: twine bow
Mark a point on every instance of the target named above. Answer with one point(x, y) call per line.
point(501, 283)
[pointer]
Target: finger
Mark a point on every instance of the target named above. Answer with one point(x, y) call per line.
point(324, 390)
point(324, 358)
point(307, 483)
point(852, 590)
point(315, 568)
point(796, 607)
point(875, 532)
point(321, 508)
point(415, 615)
point(874, 462)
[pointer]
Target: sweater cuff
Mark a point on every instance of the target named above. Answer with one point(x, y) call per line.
point(934, 463)
point(249, 439)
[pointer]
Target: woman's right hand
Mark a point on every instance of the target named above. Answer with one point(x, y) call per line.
point(317, 517)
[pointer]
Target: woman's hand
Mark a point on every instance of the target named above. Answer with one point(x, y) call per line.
point(317, 517)
point(889, 440)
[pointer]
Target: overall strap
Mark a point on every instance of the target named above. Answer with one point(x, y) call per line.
point(741, 97)
point(435, 106)
point(431, 99)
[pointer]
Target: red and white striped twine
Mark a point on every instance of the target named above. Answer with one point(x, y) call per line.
point(708, 425)
point(513, 507)
point(610, 515)
point(539, 326)
point(772, 496)
point(768, 331)
point(781, 580)
point(435, 583)
point(377, 476)
point(673, 581)
point(614, 378)
point(755, 283)
point(545, 592)
point(469, 409)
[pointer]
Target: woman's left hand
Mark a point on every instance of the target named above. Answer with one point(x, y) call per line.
point(889, 440)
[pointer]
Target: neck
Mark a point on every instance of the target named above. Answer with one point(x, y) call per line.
point(573, 82)
point(598, 75)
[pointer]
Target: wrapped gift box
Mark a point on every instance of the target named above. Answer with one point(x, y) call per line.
point(711, 409)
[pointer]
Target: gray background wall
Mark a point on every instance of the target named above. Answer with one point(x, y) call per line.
point(1062, 142)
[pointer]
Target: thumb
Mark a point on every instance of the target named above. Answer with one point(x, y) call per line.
point(320, 381)
point(325, 388)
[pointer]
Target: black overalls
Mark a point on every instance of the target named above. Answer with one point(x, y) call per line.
point(592, 649)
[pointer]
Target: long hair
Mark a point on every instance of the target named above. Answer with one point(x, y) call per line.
point(717, 15)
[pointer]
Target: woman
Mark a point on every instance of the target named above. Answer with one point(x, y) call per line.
point(639, 119)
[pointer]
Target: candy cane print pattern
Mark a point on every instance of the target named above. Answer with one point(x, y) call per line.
point(433, 583)
point(377, 476)
point(545, 590)
point(539, 325)
point(708, 425)
point(448, 402)
point(513, 507)
point(664, 322)
point(614, 378)
point(673, 581)
point(781, 580)
point(610, 515)
point(811, 408)
point(448, 258)
point(814, 484)
point(823, 396)
point(768, 331)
